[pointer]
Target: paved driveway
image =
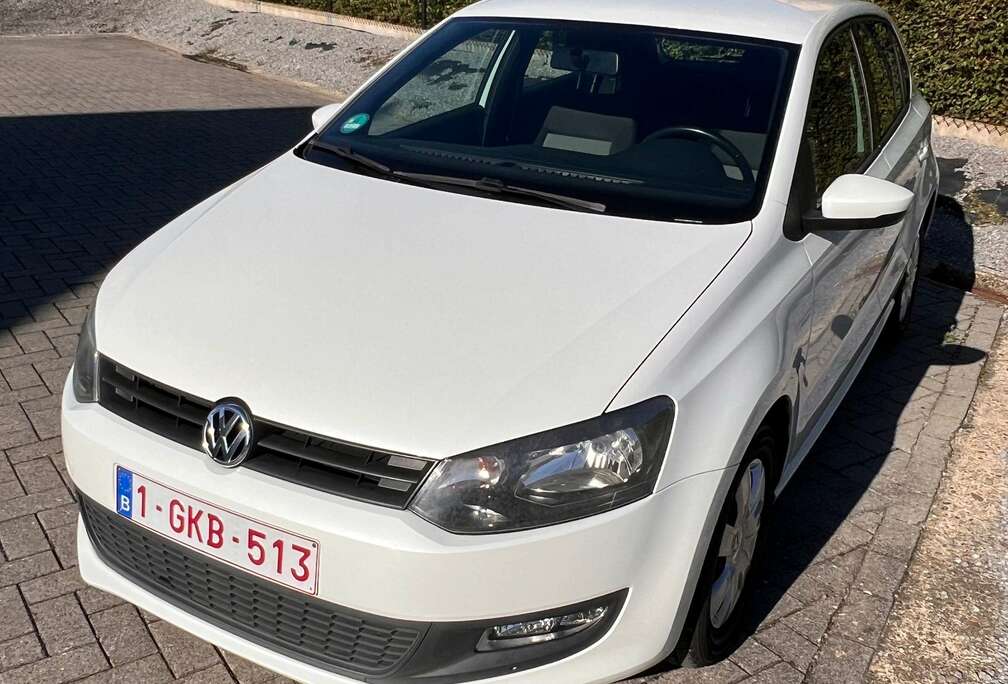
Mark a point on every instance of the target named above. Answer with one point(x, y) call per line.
point(104, 139)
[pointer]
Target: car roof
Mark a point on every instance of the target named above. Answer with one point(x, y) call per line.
point(788, 21)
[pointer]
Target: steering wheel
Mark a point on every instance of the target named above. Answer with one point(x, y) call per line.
point(702, 135)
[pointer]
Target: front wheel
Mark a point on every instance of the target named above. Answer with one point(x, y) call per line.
point(734, 547)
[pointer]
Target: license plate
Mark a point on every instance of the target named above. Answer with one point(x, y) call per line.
point(253, 546)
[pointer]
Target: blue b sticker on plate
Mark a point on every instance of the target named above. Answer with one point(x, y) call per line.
point(124, 492)
point(355, 123)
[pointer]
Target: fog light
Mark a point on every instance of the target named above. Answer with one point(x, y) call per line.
point(516, 634)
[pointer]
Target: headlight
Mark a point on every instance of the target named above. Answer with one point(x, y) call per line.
point(552, 477)
point(85, 369)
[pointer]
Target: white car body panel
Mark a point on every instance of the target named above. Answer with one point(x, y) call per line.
point(394, 564)
point(439, 335)
point(432, 324)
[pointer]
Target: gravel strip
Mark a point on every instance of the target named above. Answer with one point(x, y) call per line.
point(950, 619)
point(976, 167)
point(1001, 565)
point(334, 58)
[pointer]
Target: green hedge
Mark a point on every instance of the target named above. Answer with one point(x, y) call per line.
point(959, 51)
point(959, 48)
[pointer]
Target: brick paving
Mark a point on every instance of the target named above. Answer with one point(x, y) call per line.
point(102, 141)
point(105, 139)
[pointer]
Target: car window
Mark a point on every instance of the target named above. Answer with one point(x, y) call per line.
point(881, 59)
point(837, 127)
point(446, 84)
point(647, 121)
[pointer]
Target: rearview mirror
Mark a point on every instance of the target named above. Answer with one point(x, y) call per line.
point(855, 202)
point(600, 62)
point(323, 115)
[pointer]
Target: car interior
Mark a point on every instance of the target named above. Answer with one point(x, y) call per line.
point(655, 114)
point(631, 96)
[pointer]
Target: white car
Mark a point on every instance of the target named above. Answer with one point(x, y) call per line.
point(496, 374)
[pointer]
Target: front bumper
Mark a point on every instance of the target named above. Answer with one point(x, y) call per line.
point(393, 564)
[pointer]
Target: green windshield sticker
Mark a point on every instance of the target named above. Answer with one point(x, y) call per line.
point(355, 123)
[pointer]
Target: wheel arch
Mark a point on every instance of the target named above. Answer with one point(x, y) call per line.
point(780, 420)
point(925, 224)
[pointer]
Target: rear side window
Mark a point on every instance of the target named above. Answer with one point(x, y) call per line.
point(883, 68)
point(837, 127)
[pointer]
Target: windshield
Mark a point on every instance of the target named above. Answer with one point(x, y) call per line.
point(639, 122)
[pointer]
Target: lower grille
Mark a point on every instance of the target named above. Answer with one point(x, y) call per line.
point(348, 470)
point(312, 631)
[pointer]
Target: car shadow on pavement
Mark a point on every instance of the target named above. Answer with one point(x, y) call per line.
point(868, 441)
point(78, 191)
point(832, 510)
point(831, 514)
point(948, 256)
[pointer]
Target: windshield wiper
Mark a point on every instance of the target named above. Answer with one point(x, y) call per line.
point(350, 155)
point(488, 185)
point(497, 187)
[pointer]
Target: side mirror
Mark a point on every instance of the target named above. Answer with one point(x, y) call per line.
point(855, 202)
point(323, 115)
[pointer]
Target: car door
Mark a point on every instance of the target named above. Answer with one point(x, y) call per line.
point(902, 134)
point(847, 266)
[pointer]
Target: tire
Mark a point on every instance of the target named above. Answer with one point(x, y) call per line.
point(717, 627)
point(901, 316)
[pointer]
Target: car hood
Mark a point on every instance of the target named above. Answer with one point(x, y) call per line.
point(400, 317)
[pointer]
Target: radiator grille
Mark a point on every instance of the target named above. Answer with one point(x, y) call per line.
point(302, 627)
point(344, 469)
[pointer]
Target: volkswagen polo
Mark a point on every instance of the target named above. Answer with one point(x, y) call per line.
point(496, 374)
